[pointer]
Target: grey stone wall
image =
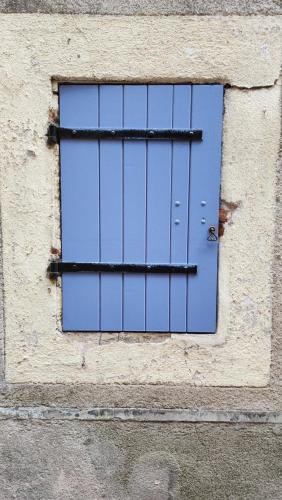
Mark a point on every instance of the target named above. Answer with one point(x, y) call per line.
point(125, 461)
point(144, 7)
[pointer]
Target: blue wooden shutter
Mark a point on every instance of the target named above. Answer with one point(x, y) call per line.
point(138, 201)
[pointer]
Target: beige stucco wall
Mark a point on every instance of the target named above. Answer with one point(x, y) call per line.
point(241, 52)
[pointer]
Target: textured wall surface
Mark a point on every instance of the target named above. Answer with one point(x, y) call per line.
point(56, 448)
point(144, 7)
point(243, 52)
point(119, 461)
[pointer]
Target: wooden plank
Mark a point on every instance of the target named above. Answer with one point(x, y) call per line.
point(158, 207)
point(179, 208)
point(207, 109)
point(80, 207)
point(134, 207)
point(111, 153)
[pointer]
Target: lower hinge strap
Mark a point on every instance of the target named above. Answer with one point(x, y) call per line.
point(57, 267)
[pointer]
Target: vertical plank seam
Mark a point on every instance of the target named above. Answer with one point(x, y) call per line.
point(122, 214)
point(146, 205)
point(99, 200)
point(170, 222)
point(188, 208)
point(61, 211)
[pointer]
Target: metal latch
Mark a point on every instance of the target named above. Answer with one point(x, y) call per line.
point(212, 234)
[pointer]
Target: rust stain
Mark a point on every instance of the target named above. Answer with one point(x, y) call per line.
point(55, 251)
point(225, 214)
point(53, 115)
point(223, 218)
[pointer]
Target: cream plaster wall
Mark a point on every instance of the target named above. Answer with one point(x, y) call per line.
point(242, 52)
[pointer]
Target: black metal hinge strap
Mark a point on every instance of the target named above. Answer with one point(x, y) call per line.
point(55, 133)
point(58, 267)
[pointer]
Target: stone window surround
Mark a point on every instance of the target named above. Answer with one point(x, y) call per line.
point(239, 354)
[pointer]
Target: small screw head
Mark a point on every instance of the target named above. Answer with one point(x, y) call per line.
point(151, 132)
point(73, 132)
point(203, 220)
point(177, 203)
point(203, 203)
point(177, 221)
point(113, 132)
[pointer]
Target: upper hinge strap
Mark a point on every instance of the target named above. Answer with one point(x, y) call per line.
point(55, 133)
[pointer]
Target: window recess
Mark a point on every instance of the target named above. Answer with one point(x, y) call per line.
point(140, 178)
